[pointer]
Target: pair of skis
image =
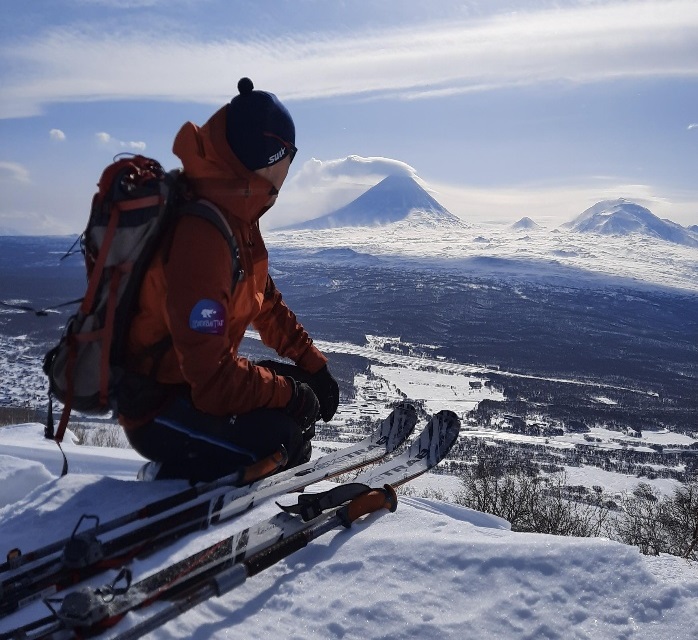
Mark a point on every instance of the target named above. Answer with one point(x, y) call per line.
point(27, 577)
point(226, 564)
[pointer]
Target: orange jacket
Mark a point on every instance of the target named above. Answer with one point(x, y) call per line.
point(187, 293)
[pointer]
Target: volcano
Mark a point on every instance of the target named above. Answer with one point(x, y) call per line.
point(394, 199)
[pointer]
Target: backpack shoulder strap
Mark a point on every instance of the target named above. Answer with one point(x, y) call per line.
point(210, 212)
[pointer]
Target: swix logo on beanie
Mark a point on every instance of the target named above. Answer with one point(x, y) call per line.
point(208, 316)
point(277, 156)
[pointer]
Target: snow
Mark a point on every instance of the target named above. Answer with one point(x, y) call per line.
point(623, 217)
point(18, 477)
point(430, 570)
point(615, 483)
point(438, 390)
point(559, 256)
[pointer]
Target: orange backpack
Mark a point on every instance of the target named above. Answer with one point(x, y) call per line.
point(136, 202)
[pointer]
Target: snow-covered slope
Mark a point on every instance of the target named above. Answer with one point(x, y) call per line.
point(430, 570)
point(561, 256)
point(394, 199)
point(623, 217)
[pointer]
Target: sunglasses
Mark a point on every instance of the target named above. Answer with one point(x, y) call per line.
point(290, 148)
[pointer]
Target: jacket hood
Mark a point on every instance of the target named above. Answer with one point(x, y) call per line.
point(216, 173)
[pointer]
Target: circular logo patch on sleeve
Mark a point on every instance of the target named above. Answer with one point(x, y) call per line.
point(208, 316)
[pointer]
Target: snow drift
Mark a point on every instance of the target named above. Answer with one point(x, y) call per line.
point(431, 570)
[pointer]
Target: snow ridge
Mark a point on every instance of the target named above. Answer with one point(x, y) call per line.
point(430, 570)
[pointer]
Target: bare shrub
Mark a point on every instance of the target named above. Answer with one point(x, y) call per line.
point(660, 524)
point(530, 502)
point(18, 415)
point(107, 436)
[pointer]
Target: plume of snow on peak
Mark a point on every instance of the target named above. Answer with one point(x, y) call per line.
point(321, 186)
point(352, 169)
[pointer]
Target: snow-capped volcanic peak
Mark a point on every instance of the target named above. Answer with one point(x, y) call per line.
point(396, 198)
point(623, 217)
point(525, 223)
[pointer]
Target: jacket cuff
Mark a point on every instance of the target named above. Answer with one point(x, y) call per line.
point(312, 360)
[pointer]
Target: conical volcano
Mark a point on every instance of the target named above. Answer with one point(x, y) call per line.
point(394, 199)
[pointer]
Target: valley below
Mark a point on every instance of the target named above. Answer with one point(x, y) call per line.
point(591, 376)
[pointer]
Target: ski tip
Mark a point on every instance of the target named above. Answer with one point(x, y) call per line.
point(396, 428)
point(448, 416)
point(440, 434)
point(450, 429)
point(406, 407)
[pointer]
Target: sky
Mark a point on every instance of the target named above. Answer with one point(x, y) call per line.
point(502, 109)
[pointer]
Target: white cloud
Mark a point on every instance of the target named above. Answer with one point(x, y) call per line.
point(108, 140)
point(14, 172)
point(693, 126)
point(587, 42)
point(352, 168)
point(57, 134)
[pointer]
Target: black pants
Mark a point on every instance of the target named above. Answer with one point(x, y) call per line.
point(198, 446)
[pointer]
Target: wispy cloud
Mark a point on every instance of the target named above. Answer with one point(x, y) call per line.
point(694, 125)
point(584, 43)
point(111, 142)
point(14, 172)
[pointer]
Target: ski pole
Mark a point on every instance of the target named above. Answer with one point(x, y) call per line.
point(228, 579)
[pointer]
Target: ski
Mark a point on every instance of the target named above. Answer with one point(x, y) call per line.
point(43, 572)
point(229, 562)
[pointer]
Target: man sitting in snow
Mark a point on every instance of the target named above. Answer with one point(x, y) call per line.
point(190, 402)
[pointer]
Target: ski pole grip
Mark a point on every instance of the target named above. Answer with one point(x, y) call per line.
point(370, 502)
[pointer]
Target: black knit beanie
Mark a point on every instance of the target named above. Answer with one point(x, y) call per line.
point(259, 129)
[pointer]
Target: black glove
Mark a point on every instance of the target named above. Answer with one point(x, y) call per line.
point(303, 407)
point(327, 391)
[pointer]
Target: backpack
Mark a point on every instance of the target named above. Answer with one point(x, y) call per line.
point(135, 205)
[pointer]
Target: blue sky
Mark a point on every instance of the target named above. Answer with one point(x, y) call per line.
point(504, 109)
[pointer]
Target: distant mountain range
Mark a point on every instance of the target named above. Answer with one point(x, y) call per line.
point(394, 199)
point(400, 199)
point(623, 217)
